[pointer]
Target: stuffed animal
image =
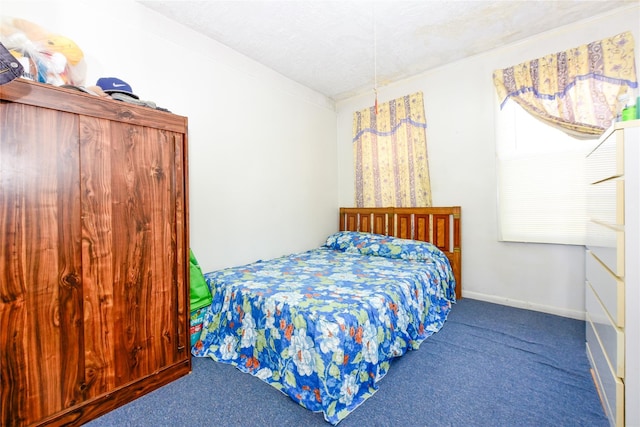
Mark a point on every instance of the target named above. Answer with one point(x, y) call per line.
point(65, 60)
point(57, 58)
point(63, 45)
point(9, 26)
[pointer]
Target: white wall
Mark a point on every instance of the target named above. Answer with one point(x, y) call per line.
point(262, 152)
point(460, 109)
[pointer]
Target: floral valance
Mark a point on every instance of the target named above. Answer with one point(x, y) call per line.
point(577, 89)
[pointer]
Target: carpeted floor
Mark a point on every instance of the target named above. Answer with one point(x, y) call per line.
point(490, 365)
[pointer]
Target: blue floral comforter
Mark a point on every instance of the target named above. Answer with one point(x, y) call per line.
point(322, 326)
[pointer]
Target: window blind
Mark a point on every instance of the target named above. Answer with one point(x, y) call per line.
point(541, 180)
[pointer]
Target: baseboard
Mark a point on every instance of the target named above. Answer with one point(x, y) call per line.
point(573, 314)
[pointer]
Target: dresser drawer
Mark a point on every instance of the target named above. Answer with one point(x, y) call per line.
point(611, 338)
point(611, 387)
point(607, 244)
point(608, 287)
point(607, 159)
point(605, 201)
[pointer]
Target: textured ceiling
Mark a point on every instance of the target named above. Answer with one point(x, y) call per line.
point(341, 48)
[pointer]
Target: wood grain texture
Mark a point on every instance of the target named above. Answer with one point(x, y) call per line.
point(97, 256)
point(138, 247)
point(182, 266)
point(94, 308)
point(41, 302)
point(91, 409)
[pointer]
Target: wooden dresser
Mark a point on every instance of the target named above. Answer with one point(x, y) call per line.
point(94, 261)
point(613, 271)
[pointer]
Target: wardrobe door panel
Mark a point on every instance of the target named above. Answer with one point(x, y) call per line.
point(41, 337)
point(97, 256)
point(129, 181)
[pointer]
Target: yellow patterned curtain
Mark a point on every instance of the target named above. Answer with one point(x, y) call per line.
point(390, 154)
point(576, 90)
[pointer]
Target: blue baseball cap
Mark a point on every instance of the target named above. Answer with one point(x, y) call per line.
point(115, 85)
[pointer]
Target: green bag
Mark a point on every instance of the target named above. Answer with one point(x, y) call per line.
point(200, 293)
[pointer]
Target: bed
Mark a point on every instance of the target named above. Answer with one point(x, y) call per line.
point(323, 326)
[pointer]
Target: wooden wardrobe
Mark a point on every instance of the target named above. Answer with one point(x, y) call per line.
point(94, 259)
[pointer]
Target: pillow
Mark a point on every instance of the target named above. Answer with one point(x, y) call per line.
point(384, 246)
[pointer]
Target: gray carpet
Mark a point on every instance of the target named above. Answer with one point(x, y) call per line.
point(490, 365)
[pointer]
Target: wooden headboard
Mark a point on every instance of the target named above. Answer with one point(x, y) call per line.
point(437, 225)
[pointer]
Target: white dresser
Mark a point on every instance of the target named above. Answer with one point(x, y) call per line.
point(613, 271)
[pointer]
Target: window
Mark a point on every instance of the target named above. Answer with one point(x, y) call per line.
point(541, 180)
